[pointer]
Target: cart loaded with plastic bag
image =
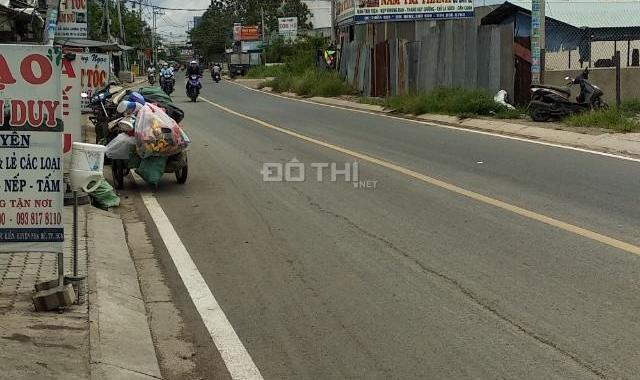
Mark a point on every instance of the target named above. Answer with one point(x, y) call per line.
point(148, 139)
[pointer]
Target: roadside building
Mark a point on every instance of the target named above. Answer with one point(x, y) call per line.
point(577, 35)
point(20, 22)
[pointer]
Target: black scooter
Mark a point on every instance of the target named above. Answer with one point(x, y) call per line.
point(215, 77)
point(549, 101)
point(103, 111)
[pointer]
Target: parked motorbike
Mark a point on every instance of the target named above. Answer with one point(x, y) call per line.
point(103, 111)
point(193, 87)
point(549, 101)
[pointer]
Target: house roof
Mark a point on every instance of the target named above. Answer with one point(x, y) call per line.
point(579, 13)
point(104, 46)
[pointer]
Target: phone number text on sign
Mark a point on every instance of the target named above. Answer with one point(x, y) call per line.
point(31, 167)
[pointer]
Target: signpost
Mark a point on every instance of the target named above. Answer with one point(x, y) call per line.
point(288, 28)
point(94, 70)
point(31, 187)
point(537, 41)
point(72, 20)
point(364, 11)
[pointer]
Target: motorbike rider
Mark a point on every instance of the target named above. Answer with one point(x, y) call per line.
point(166, 72)
point(215, 70)
point(194, 69)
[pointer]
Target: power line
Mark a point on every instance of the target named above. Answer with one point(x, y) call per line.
point(167, 8)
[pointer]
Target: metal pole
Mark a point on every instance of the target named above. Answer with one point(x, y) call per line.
point(107, 5)
point(616, 57)
point(543, 51)
point(262, 16)
point(123, 61)
point(333, 22)
point(153, 38)
point(75, 233)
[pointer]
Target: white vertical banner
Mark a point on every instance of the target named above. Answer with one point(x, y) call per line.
point(31, 128)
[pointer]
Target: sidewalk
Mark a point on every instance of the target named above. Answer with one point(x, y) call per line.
point(618, 143)
point(627, 144)
point(107, 337)
point(42, 345)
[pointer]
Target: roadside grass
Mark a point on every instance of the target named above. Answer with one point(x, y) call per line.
point(311, 82)
point(459, 102)
point(299, 74)
point(620, 120)
point(257, 72)
point(631, 106)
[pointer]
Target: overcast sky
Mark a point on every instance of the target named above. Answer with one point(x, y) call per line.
point(173, 24)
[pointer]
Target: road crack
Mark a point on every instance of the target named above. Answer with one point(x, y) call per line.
point(468, 293)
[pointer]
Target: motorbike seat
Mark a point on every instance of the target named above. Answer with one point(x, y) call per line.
point(562, 89)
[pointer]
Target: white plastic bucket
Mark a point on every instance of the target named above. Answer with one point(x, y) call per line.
point(87, 162)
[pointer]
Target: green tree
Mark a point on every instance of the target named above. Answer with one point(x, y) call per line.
point(137, 32)
point(215, 30)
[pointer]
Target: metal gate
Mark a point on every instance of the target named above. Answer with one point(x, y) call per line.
point(380, 83)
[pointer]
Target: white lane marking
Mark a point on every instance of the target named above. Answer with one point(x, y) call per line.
point(634, 249)
point(438, 125)
point(235, 355)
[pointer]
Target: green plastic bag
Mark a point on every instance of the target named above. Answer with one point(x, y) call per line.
point(151, 169)
point(104, 196)
point(134, 159)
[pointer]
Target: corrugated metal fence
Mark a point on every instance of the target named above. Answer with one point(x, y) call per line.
point(452, 53)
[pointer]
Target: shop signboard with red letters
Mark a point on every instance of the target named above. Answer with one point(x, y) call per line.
point(31, 128)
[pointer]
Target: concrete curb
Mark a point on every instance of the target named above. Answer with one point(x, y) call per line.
point(626, 144)
point(121, 346)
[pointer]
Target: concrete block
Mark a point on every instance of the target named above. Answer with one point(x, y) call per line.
point(54, 299)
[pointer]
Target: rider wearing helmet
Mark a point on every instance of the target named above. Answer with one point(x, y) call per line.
point(193, 69)
point(166, 72)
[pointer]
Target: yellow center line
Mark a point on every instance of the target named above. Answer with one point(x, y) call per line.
point(633, 249)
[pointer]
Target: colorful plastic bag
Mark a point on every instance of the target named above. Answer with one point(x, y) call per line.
point(157, 134)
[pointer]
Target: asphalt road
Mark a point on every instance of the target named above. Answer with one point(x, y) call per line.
point(324, 280)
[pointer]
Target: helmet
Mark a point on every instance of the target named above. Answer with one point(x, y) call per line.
point(165, 65)
point(193, 63)
point(137, 98)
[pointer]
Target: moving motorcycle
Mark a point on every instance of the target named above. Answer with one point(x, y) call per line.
point(549, 101)
point(168, 83)
point(151, 76)
point(216, 77)
point(193, 87)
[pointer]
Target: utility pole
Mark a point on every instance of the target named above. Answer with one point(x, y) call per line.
point(262, 16)
point(155, 11)
point(124, 62)
point(153, 38)
point(333, 22)
point(107, 7)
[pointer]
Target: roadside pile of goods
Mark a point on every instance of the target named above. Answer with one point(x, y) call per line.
point(148, 138)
